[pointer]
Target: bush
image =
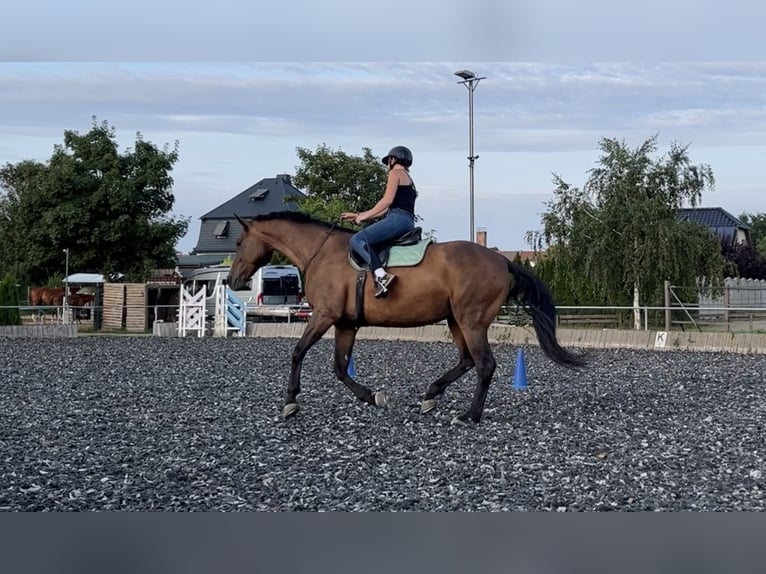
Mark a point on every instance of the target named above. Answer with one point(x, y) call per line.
point(9, 302)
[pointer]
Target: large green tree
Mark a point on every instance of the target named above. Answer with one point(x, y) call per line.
point(109, 209)
point(335, 181)
point(618, 239)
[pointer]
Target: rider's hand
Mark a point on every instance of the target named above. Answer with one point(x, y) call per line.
point(348, 216)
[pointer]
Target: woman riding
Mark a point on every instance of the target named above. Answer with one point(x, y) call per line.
point(397, 206)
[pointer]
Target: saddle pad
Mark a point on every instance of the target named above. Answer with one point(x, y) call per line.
point(407, 255)
point(402, 255)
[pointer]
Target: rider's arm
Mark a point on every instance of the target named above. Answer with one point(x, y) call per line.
point(385, 202)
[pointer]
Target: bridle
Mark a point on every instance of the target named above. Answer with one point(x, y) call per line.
point(326, 237)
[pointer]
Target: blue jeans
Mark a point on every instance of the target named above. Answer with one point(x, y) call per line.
point(395, 224)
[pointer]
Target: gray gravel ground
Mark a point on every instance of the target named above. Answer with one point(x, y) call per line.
point(123, 423)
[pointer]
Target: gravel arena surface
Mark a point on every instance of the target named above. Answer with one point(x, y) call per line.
point(170, 424)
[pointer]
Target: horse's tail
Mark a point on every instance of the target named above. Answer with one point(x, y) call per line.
point(531, 292)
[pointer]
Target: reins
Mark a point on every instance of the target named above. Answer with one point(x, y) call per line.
point(326, 237)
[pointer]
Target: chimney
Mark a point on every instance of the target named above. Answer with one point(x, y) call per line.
point(481, 236)
point(285, 177)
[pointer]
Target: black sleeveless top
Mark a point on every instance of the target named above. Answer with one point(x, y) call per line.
point(405, 198)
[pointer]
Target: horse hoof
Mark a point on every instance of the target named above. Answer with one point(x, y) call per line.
point(463, 420)
point(381, 400)
point(427, 406)
point(290, 409)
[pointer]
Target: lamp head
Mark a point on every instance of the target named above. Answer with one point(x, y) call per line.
point(465, 74)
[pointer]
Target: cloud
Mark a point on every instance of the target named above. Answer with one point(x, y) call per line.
point(516, 107)
point(238, 123)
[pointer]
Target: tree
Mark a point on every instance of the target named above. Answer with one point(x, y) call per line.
point(744, 261)
point(18, 217)
point(335, 181)
point(9, 302)
point(757, 223)
point(618, 239)
point(110, 209)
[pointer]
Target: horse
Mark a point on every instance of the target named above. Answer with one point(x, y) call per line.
point(80, 299)
point(460, 281)
point(49, 296)
point(40, 296)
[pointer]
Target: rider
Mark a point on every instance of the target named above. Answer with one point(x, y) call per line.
point(398, 208)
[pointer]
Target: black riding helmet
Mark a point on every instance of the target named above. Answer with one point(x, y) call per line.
point(401, 153)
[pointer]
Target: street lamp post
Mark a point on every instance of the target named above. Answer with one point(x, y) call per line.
point(470, 81)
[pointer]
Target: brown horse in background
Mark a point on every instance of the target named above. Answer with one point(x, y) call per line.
point(80, 300)
point(49, 296)
point(460, 281)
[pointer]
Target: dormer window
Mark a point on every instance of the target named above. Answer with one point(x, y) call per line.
point(259, 194)
point(221, 229)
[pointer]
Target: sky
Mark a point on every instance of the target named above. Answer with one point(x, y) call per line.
point(240, 88)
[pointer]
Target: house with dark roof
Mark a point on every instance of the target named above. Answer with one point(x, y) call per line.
point(719, 221)
point(219, 227)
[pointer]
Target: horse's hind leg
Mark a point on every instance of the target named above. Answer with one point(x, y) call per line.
point(465, 364)
point(315, 328)
point(478, 346)
point(344, 345)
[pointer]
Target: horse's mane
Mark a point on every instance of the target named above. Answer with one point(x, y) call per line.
point(298, 217)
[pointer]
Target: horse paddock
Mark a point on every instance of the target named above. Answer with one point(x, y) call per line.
point(186, 424)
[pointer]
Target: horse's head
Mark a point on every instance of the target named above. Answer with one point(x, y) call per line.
point(252, 254)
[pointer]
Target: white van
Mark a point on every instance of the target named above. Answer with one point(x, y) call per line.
point(270, 285)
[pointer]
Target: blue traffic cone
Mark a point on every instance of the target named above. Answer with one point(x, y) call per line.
point(520, 374)
point(351, 368)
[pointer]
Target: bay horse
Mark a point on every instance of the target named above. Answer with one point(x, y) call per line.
point(460, 281)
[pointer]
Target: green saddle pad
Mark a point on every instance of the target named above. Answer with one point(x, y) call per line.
point(400, 255)
point(407, 255)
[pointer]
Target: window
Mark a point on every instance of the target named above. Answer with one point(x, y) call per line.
point(272, 286)
point(259, 194)
point(221, 229)
point(290, 284)
point(283, 286)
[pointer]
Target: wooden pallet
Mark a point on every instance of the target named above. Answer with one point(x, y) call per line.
point(135, 307)
point(113, 306)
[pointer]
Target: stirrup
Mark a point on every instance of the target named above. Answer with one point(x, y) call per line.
point(380, 290)
point(383, 284)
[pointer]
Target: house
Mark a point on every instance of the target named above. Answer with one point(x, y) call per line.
point(719, 221)
point(219, 228)
point(531, 256)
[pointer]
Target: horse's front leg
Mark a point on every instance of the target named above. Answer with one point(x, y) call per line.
point(464, 365)
point(316, 327)
point(344, 345)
